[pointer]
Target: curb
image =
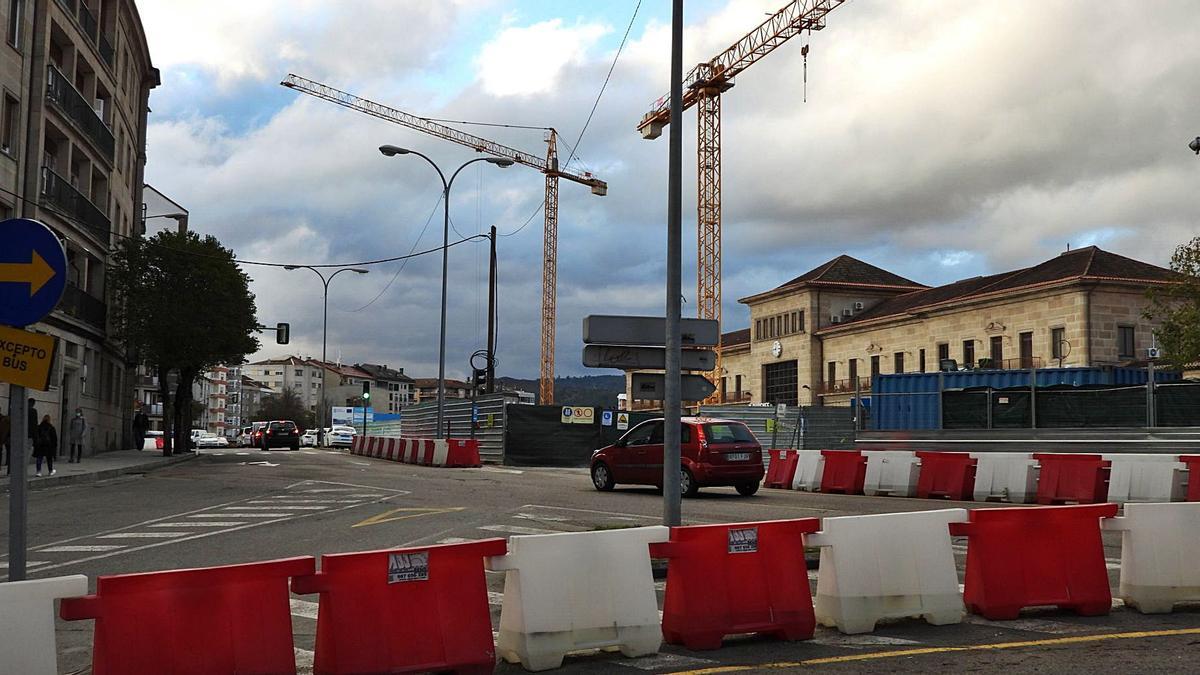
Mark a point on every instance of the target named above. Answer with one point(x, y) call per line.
point(105, 474)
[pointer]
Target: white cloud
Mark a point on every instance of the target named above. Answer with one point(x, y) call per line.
point(524, 60)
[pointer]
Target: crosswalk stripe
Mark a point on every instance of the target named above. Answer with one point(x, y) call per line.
point(142, 535)
point(200, 523)
point(514, 529)
point(79, 548)
point(303, 608)
point(237, 515)
point(304, 660)
point(304, 501)
point(275, 508)
point(28, 563)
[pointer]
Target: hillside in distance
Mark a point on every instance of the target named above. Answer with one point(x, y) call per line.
point(598, 391)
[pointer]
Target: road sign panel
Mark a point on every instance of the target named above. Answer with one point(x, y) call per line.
point(653, 387)
point(645, 358)
point(649, 331)
point(33, 271)
point(26, 359)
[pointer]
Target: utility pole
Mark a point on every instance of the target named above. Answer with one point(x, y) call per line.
point(673, 395)
point(491, 339)
point(18, 486)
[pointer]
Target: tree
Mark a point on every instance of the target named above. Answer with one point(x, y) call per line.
point(286, 405)
point(185, 307)
point(1177, 307)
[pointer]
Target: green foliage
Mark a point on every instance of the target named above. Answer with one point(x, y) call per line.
point(286, 405)
point(1177, 306)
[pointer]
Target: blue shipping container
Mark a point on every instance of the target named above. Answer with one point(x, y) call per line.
point(910, 400)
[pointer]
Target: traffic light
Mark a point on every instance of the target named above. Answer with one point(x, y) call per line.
point(480, 381)
point(366, 395)
point(283, 332)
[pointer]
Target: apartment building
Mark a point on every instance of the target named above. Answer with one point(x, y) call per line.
point(391, 388)
point(75, 81)
point(303, 376)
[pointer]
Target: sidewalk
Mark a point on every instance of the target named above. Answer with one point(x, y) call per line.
point(104, 466)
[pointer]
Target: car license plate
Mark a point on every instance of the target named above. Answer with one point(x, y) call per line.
point(738, 456)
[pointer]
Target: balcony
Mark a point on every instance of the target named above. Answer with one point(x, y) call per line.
point(57, 192)
point(87, 22)
point(76, 108)
point(68, 5)
point(846, 386)
point(1008, 364)
point(83, 306)
point(106, 51)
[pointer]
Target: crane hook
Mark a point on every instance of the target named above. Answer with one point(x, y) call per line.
point(804, 53)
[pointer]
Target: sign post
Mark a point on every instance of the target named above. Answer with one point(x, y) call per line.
point(33, 274)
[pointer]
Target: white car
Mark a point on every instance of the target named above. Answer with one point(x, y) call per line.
point(211, 440)
point(309, 438)
point(340, 437)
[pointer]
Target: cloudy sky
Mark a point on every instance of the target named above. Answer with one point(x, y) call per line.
point(939, 140)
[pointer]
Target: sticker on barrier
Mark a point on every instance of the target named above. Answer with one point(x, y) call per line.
point(741, 578)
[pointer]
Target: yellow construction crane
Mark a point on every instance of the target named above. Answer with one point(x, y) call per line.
point(703, 86)
point(548, 166)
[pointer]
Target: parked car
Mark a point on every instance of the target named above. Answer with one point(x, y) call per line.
point(714, 452)
point(243, 437)
point(339, 437)
point(280, 434)
point(253, 437)
point(208, 440)
point(153, 441)
point(309, 438)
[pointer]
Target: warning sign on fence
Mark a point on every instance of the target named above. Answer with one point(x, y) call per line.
point(743, 540)
point(578, 415)
point(408, 567)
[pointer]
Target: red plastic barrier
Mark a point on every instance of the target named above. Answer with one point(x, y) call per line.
point(1193, 465)
point(949, 475)
point(230, 619)
point(1024, 557)
point(404, 610)
point(1072, 478)
point(782, 469)
point(743, 578)
point(356, 445)
point(845, 471)
point(463, 452)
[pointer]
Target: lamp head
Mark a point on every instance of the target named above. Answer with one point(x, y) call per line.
point(291, 267)
point(500, 162)
point(359, 270)
point(392, 150)
point(1195, 145)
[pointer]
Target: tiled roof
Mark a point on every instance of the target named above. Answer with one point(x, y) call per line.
point(1085, 263)
point(852, 271)
point(734, 338)
point(431, 383)
point(383, 372)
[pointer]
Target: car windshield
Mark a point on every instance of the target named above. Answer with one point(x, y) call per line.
point(728, 432)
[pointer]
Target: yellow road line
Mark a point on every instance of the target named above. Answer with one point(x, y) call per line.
point(1077, 639)
point(389, 516)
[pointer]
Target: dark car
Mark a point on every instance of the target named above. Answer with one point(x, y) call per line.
point(280, 434)
point(714, 452)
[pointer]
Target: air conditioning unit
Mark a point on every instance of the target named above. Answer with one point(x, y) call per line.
point(858, 306)
point(835, 319)
point(847, 312)
point(1153, 353)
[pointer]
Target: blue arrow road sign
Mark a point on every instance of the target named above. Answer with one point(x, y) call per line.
point(33, 271)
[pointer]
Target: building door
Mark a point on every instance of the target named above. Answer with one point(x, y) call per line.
point(997, 351)
point(781, 383)
point(1027, 350)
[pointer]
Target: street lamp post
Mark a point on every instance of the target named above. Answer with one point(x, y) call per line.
point(392, 151)
point(1194, 146)
point(181, 220)
point(324, 334)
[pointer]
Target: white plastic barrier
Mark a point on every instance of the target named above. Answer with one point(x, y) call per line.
point(891, 472)
point(1010, 476)
point(1146, 478)
point(887, 566)
point(27, 622)
point(578, 590)
point(809, 467)
point(1160, 547)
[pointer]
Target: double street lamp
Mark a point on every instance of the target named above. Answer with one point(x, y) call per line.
point(324, 333)
point(392, 151)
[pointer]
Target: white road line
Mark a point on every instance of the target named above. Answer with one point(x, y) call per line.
point(200, 523)
point(304, 660)
point(514, 529)
point(275, 508)
point(492, 469)
point(603, 513)
point(455, 540)
point(72, 548)
point(242, 454)
point(1038, 625)
point(552, 519)
point(304, 501)
point(239, 515)
point(28, 563)
point(309, 452)
point(304, 608)
point(142, 535)
point(366, 495)
point(835, 639)
point(495, 598)
point(665, 661)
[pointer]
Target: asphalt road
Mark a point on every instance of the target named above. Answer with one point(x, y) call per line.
point(242, 506)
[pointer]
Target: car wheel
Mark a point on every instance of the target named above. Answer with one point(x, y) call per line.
point(687, 484)
point(747, 489)
point(602, 477)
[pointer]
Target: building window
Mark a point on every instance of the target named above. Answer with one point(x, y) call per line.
point(737, 385)
point(795, 322)
point(1057, 340)
point(943, 352)
point(299, 373)
point(921, 359)
point(12, 119)
point(1125, 348)
point(832, 376)
point(997, 351)
point(780, 383)
point(968, 353)
point(898, 362)
point(801, 329)
point(853, 371)
point(771, 327)
point(874, 366)
point(1026, 349)
point(758, 329)
point(16, 15)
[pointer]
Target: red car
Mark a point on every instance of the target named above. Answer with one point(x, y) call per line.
point(714, 453)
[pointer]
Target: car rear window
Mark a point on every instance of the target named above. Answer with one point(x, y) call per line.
point(728, 432)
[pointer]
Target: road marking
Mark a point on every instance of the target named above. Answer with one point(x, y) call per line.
point(660, 661)
point(495, 598)
point(200, 523)
point(28, 563)
point(303, 501)
point(835, 639)
point(603, 513)
point(492, 469)
point(303, 608)
point(404, 514)
point(366, 495)
point(304, 659)
point(264, 463)
point(242, 454)
point(142, 535)
point(552, 519)
point(359, 463)
point(514, 529)
point(1036, 625)
point(78, 549)
point(455, 540)
point(238, 515)
point(275, 508)
point(901, 653)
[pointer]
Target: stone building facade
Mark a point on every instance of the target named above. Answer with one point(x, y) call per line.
point(817, 338)
point(75, 79)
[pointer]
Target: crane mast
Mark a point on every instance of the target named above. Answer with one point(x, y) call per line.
point(702, 87)
point(548, 166)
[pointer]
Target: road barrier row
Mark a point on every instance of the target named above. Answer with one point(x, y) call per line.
point(1017, 477)
point(443, 452)
point(426, 608)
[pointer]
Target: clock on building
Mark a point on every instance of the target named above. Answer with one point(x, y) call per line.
point(777, 349)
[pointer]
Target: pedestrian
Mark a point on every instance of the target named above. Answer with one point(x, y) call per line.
point(141, 424)
point(5, 442)
point(45, 443)
point(77, 429)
